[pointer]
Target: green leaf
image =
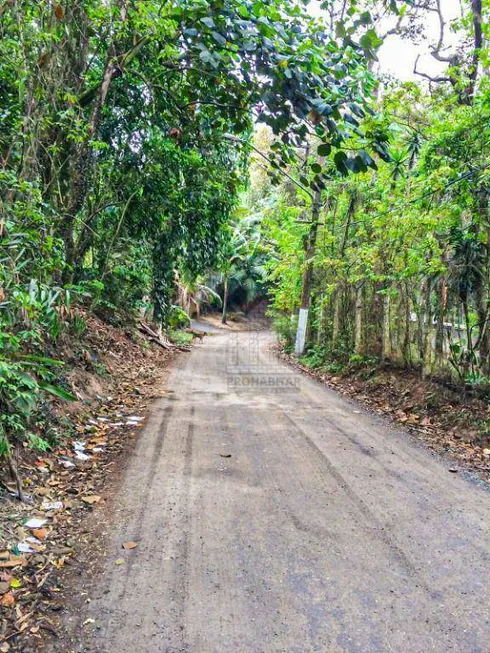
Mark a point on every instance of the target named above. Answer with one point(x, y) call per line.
point(56, 391)
point(218, 38)
point(370, 41)
point(340, 31)
point(367, 159)
point(324, 149)
point(39, 359)
point(340, 160)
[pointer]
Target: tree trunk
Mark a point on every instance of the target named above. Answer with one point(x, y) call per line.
point(428, 330)
point(386, 337)
point(82, 169)
point(321, 323)
point(82, 175)
point(358, 344)
point(310, 246)
point(476, 10)
point(336, 318)
point(405, 340)
point(441, 316)
point(225, 300)
point(482, 298)
point(14, 473)
point(483, 328)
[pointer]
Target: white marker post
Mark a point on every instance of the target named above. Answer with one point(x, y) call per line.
point(310, 245)
point(301, 332)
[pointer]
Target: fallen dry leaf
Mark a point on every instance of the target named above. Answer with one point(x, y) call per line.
point(91, 499)
point(130, 545)
point(120, 561)
point(4, 587)
point(15, 561)
point(43, 491)
point(7, 600)
point(40, 533)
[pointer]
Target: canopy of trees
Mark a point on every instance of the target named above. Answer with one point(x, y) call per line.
point(127, 129)
point(396, 261)
point(122, 125)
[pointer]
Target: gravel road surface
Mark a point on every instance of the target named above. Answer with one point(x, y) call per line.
point(274, 516)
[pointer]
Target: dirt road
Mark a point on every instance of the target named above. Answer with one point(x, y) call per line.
point(272, 515)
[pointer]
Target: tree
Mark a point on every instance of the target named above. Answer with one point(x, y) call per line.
point(116, 172)
point(240, 264)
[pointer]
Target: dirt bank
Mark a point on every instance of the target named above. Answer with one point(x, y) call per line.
point(115, 375)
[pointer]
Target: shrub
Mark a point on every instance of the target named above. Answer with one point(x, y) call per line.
point(178, 318)
point(180, 338)
point(285, 328)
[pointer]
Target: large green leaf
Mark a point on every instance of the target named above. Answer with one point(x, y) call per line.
point(56, 391)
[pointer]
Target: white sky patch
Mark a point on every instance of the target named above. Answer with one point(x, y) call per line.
point(397, 56)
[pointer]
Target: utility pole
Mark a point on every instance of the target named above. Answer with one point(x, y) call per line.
point(310, 246)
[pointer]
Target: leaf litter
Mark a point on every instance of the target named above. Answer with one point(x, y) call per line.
point(39, 539)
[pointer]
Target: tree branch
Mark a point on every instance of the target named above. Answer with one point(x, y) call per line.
point(440, 78)
point(476, 8)
point(235, 139)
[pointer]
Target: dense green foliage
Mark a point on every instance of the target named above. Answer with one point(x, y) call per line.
point(401, 258)
point(123, 130)
point(127, 132)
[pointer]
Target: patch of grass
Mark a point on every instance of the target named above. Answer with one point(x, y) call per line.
point(433, 401)
point(376, 381)
point(180, 338)
point(100, 368)
point(358, 360)
point(322, 359)
point(144, 344)
point(78, 326)
point(313, 359)
point(334, 367)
